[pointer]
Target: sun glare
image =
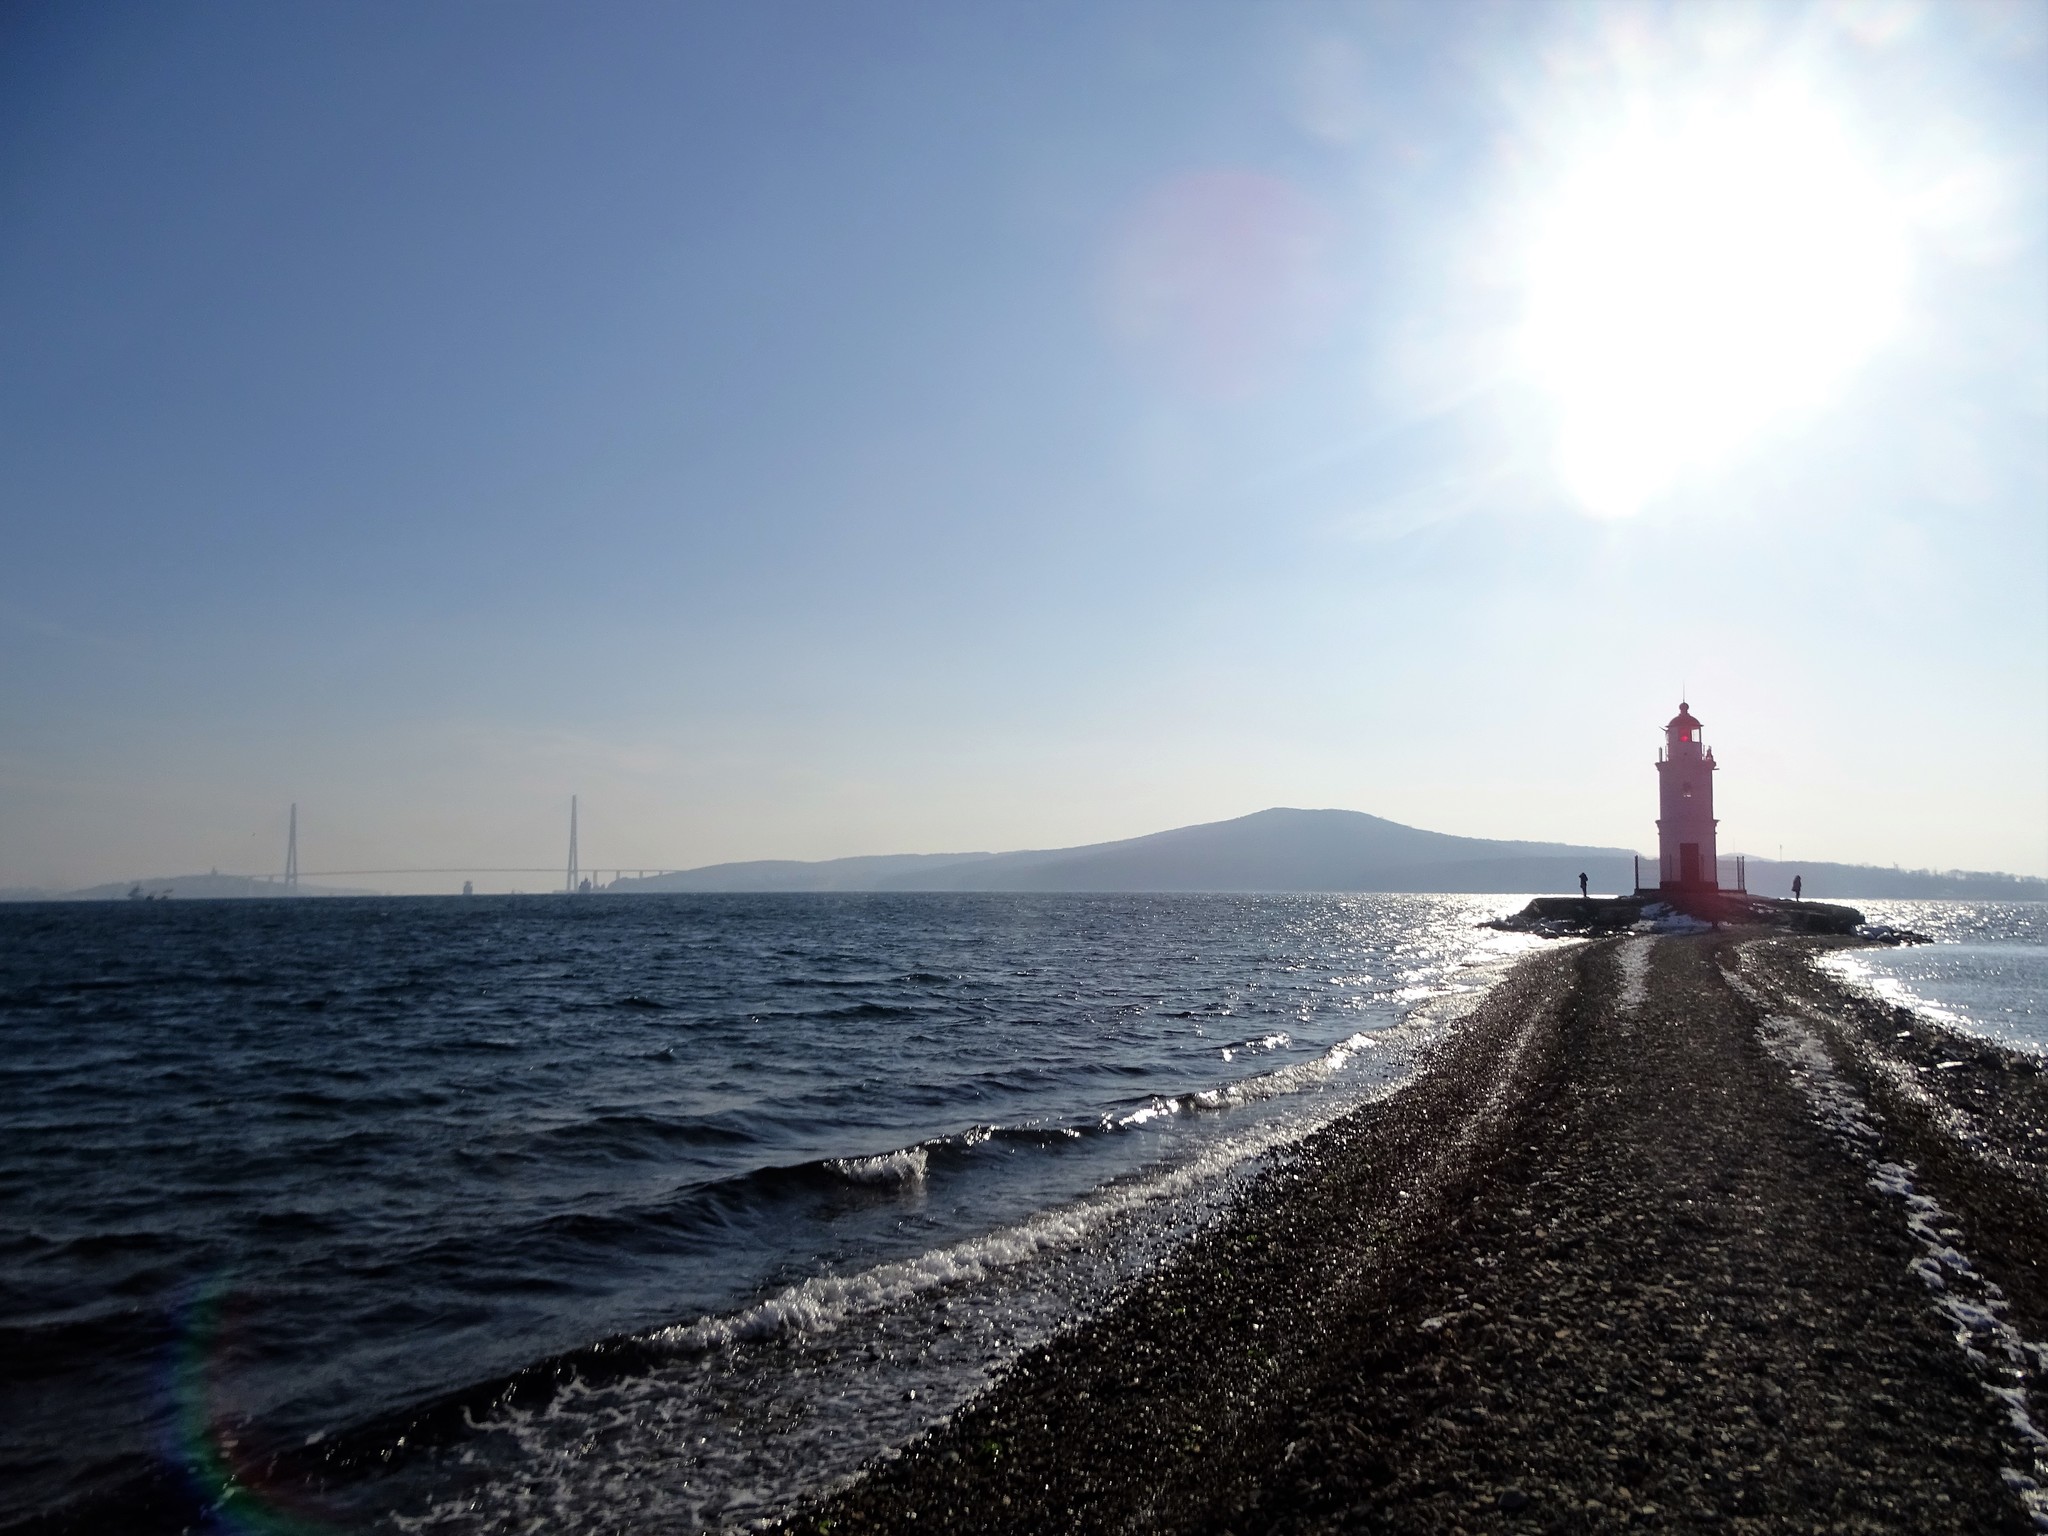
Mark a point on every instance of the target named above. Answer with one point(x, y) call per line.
point(1702, 274)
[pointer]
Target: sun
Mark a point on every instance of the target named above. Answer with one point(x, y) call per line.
point(1703, 272)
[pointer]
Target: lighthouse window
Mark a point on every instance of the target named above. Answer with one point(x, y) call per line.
point(1685, 790)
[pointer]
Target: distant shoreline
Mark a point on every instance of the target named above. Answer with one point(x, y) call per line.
point(1275, 851)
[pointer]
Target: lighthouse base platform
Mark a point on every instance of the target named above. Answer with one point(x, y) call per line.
point(1616, 914)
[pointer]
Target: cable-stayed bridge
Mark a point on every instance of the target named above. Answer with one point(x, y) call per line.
point(577, 879)
point(489, 869)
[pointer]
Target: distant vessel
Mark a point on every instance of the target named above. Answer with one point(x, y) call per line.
point(469, 888)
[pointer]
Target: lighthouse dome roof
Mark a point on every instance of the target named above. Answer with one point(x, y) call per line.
point(1683, 718)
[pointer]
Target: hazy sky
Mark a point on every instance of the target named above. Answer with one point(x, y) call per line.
point(805, 430)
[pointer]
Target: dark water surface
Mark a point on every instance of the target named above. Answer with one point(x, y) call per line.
point(274, 1172)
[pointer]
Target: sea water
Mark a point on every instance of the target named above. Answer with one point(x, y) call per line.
point(622, 1213)
point(1985, 973)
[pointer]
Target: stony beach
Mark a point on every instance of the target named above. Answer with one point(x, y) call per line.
point(1672, 1233)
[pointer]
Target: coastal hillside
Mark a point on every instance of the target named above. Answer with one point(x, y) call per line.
point(1272, 850)
point(1295, 850)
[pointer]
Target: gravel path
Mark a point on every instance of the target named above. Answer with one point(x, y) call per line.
point(1673, 1233)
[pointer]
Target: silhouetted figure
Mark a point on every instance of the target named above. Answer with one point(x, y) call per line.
point(1797, 886)
point(1582, 885)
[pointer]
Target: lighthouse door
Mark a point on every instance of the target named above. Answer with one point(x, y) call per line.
point(1688, 863)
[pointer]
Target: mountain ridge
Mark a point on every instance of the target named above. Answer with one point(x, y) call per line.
point(1280, 849)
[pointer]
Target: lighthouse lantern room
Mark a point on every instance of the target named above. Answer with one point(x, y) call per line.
point(1685, 807)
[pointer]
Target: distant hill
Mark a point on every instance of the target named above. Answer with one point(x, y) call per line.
point(1294, 850)
point(1275, 850)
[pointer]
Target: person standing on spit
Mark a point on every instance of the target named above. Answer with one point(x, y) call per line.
point(1797, 883)
point(1582, 885)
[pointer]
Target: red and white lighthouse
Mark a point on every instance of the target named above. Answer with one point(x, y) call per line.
point(1685, 808)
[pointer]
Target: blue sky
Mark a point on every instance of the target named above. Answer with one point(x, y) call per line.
point(806, 430)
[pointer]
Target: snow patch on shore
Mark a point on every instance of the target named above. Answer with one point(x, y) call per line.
point(2006, 1364)
point(1659, 918)
point(1632, 959)
point(1835, 1104)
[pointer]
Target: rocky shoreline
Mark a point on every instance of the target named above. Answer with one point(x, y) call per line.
point(1672, 1233)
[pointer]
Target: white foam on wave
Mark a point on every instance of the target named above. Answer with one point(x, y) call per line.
point(826, 1302)
point(1268, 1042)
point(906, 1165)
point(1297, 1077)
point(1158, 1107)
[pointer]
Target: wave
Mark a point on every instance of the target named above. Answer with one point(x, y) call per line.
point(912, 1164)
point(716, 1203)
point(685, 1216)
point(1296, 1077)
point(827, 1302)
point(904, 1166)
point(896, 1167)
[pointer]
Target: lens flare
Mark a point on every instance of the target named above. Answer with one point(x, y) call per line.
point(226, 1485)
point(1219, 281)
